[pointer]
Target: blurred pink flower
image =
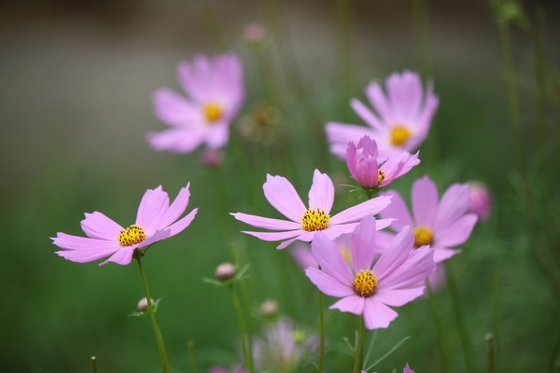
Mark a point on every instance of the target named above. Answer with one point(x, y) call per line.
point(371, 282)
point(402, 117)
point(304, 222)
point(215, 91)
point(254, 33)
point(438, 277)
point(480, 200)
point(441, 224)
point(211, 157)
point(156, 220)
point(406, 369)
point(372, 172)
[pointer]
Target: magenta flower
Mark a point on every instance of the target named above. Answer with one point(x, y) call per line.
point(305, 222)
point(372, 282)
point(156, 220)
point(441, 224)
point(215, 93)
point(370, 172)
point(480, 200)
point(402, 117)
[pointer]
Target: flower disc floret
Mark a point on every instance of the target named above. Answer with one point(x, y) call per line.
point(399, 135)
point(423, 236)
point(380, 176)
point(132, 235)
point(213, 112)
point(315, 220)
point(365, 283)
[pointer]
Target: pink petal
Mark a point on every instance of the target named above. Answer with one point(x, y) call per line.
point(397, 210)
point(365, 113)
point(397, 298)
point(413, 270)
point(405, 91)
point(302, 256)
point(69, 242)
point(122, 256)
point(275, 236)
point(457, 233)
point(153, 205)
point(266, 223)
point(375, 94)
point(327, 284)
point(159, 235)
point(179, 140)
point(339, 134)
point(97, 225)
point(396, 254)
point(424, 201)
point(172, 108)
point(363, 246)
point(443, 253)
point(183, 223)
point(428, 110)
point(367, 208)
point(282, 195)
point(321, 194)
point(217, 135)
point(351, 303)
point(88, 255)
point(454, 204)
point(330, 259)
point(377, 315)
point(407, 369)
point(177, 208)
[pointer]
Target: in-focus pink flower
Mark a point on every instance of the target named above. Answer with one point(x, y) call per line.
point(156, 220)
point(372, 282)
point(370, 171)
point(402, 117)
point(305, 222)
point(215, 92)
point(441, 224)
point(406, 369)
point(480, 200)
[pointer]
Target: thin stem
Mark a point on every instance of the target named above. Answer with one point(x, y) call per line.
point(437, 323)
point(155, 326)
point(246, 302)
point(241, 322)
point(495, 318)
point(490, 352)
point(94, 364)
point(321, 331)
point(359, 348)
point(192, 357)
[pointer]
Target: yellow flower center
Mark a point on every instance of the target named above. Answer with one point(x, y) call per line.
point(364, 283)
point(380, 177)
point(132, 235)
point(213, 112)
point(315, 220)
point(423, 236)
point(399, 135)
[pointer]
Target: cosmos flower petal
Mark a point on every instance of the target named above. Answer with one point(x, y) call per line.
point(282, 195)
point(321, 194)
point(413, 270)
point(428, 110)
point(398, 165)
point(405, 92)
point(397, 210)
point(328, 284)
point(365, 113)
point(362, 247)
point(153, 205)
point(177, 207)
point(400, 250)
point(123, 256)
point(407, 369)
point(380, 102)
point(88, 255)
point(458, 232)
point(70, 242)
point(443, 253)
point(274, 236)
point(97, 225)
point(179, 140)
point(340, 134)
point(330, 259)
point(305, 236)
point(424, 201)
point(182, 224)
point(351, 303)
point(303, 257)
point(454, 203)
point(266, 223)
point(398, 297)
point(217, 135)
point(367, 208)
point(172, 108)
point(377, 315)
point(159, 235)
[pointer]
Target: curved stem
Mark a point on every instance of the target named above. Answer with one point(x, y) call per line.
point(155, 325)
point(359, 348)
point(322, 332)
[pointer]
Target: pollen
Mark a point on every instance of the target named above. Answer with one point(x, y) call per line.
point(423, 236)
point(132, 235)
point(365, 283)
point(315, 220)
point(399, 135)
point(213, 112)
point(380, 177)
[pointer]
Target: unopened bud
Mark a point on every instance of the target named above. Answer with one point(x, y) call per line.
point(143, 304)
point(269, 307)
point(225, 271)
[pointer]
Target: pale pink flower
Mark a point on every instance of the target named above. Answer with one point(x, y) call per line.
point(156, 220)
point(402, 117)
point(304, 222)
point(370, 171)
point(480, 200)
point(215, 92)
point(371, 283)
point(441, 224)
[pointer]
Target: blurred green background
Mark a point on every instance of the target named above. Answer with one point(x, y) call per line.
point(75, 105)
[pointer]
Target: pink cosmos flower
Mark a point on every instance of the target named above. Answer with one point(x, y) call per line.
point(372, 282)
point(480, 200)
point(215, 91)
point(303, 257)
point(370, 172)
point(401, 120)
point(406, 369)
point(156, 220)
point(305, 222)
point(441, 224)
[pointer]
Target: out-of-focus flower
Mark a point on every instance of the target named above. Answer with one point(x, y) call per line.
point(143, 304)
point(261, 124)
point(305, 222)
point(218, 369)
point(402, 118)
point(437, 278)
point(269, 308)
point(406, 369)
point(303, 257)
point(441, 224)
point(215, 91)
point(480, 200)
point(211, 157)
point(370, 171)
point(283, 347)
point(254, 33)
point(225, 271)
point(372, 282)
point(156, 220)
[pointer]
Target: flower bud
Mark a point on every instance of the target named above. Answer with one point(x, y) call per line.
point(254, 33)
point(211, 158)
point(269, 307)
point(142, 305)
point(225, 271)
point(480, 200)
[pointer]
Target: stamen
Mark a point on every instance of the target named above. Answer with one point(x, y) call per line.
point(213, 112)
point(315, 220)
point(380, 177)
point(399, 135)
point(132, 235)
point(365, 283)
point(423, 236)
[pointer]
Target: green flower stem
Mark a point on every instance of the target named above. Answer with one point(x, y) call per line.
point(241, 322)
point(155, 326)
point(490, 353)
point(359, 348)
point(94, 364)
point(321, 331)
point(437, 323)
point(192, 357)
